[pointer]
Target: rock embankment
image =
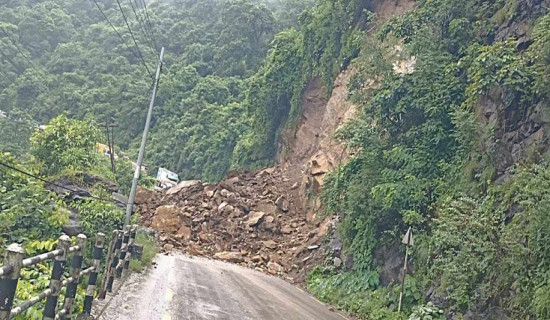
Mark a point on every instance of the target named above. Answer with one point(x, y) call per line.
point(251, 219)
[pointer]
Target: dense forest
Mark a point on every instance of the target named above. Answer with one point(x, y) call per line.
point(66, 57)
point(457, 149)
point(68, 67)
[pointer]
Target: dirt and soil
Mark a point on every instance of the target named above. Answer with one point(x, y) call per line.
point(250, 219)
point(269, 220)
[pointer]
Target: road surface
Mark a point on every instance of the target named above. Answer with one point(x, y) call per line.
point(182, 287)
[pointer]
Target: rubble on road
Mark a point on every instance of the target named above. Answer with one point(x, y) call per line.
point(251, 219)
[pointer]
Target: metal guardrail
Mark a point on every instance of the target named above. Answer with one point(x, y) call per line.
point(118, 261)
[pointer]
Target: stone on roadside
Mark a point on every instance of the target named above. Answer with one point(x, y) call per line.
point(229, 256)
point(209, 190)
point(274, 268)
point(282, 204)
point(286, 230)
point(166, 219)
point(184, 233)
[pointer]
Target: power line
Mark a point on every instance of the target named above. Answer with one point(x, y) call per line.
point(113, 27)
point(151, 30)
point(7, 57)
point(133, 38)
point(23, 54)
point(139, 20)
point(54, 184)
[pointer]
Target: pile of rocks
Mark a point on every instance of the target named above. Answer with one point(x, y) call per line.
point(246, 219)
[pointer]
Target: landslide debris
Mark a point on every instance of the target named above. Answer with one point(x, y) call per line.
point(253, 219)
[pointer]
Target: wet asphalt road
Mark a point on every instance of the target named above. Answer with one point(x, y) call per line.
point(182, 287)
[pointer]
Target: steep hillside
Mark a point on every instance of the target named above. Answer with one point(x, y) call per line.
point(95, 60)
point(368, 118)
point(447, 147)
point(441, 125)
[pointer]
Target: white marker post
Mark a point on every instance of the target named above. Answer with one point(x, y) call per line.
point(408, 241)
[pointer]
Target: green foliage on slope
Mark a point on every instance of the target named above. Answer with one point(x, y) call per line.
point(33, 216)
point(425, 156)
point(28, 211)
point(325, 39)
point(80, 67)
point(66, 144)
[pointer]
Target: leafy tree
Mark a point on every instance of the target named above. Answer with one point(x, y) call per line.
point(16, 132)
point(66, 143)
point(28, 211)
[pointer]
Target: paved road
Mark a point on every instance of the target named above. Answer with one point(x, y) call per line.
point(182, 287)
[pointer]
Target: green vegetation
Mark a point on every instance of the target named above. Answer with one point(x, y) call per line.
point(28, 211)
point(62, 64)
point(66, 144)
point(221, 104)
point(15, 134)
point(81, 67)
point(325, 39)
point(450, 148)
point(149, 251)
point(33, 215)
point(426, 157)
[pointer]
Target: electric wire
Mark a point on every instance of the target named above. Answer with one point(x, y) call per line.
point(151, 30)
point(41, 74)
point(140, 23)
point(146, 23)
point(115, 29)
point(54, 184)
point(133, 38)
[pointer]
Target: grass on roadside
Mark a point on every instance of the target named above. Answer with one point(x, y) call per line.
point(149, 252)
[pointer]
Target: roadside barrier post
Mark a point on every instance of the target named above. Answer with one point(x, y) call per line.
point(103, 286)
point(13, 263)
point(123, 251)
point(76, 266)
point(55, 282)
point(96, 264)
point(114, 263)
point(133, 231)
point(15, 260)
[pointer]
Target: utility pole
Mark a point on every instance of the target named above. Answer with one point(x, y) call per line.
point(132, 197)
point(407, 240)
point(111, 142)
point(113, 160)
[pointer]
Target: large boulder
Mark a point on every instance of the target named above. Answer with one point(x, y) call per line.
point(229, 256)
point(166, 219)
point(142, 194)
point(183, 185)
point(320, 164)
